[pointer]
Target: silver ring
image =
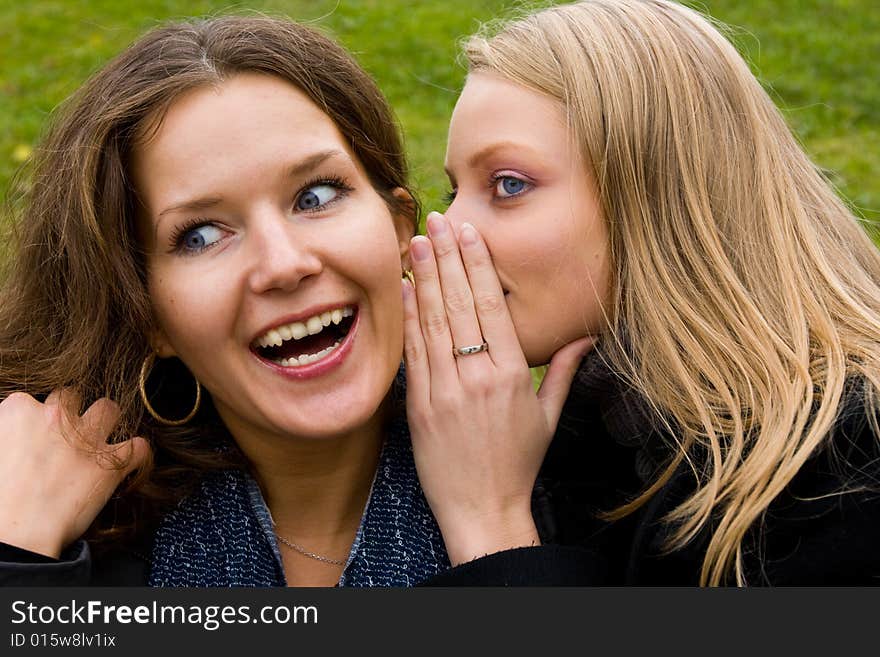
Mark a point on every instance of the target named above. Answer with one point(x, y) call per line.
point(472, 349)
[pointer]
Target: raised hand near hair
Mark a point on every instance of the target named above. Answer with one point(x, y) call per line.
point(479, 430)
point(57, 470)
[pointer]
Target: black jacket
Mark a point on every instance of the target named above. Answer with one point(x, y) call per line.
point(76, 567)
point(606, 450)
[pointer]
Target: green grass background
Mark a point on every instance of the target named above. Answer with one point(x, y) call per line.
point(820, 59)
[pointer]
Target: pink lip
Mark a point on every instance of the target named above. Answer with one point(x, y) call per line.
point(323, 366)
point(297, 317)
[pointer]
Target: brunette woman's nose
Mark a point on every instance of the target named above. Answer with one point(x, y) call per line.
point(281, 258)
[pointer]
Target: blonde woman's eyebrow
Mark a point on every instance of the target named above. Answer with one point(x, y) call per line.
point(517, 149)
point(493, 149)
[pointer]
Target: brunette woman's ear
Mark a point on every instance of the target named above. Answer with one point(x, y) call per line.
point(160, 344)
point(406, 222)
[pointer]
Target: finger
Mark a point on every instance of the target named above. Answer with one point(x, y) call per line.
point(134, 453)
point(53, 397)
point(124, 457)
point(496, 324)
point(455, 287)
point(70, 400)
point(98, 421)
point(432, 313)
point(141, 454)
point(64, 404)
point(415, 355)
point(557, 381)
point(67, 398)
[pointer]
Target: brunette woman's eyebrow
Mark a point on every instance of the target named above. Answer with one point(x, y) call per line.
point(197, 204)
point(313, 161)
point(300, 168)
point(190, 206)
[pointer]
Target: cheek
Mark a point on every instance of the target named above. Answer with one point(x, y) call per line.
point(365, 252)
point(584, 288)
point(373, 248)
point(536, 258)
point(386, 284)
point(562, 282)
point(187, 308)
point(388, 297)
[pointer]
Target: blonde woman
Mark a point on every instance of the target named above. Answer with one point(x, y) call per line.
point(618, 172)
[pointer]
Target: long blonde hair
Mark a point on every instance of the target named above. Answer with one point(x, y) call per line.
point(746, 294)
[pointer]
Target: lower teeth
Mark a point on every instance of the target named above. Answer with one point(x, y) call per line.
point(305, 359)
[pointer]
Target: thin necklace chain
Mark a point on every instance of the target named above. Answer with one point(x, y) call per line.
point(307, 553)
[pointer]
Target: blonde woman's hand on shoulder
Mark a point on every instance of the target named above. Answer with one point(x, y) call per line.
point(479, 429)
point(57, 470)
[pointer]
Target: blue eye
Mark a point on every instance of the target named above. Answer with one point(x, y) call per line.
point(199, 238)
point(507, 186)
point(316, 196)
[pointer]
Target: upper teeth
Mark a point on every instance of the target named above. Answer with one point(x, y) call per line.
point(297, 330)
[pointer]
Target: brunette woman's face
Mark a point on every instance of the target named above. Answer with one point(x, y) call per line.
point(273, 264)
point(517, 176)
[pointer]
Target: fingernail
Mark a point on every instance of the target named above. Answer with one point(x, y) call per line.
point(436, 224)
point(420, 248)
point(467, 235)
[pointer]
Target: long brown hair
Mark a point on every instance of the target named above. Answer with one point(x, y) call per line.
point(75, 311)
point(746, 294)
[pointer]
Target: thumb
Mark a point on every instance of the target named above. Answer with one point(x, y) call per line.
point(557, 381)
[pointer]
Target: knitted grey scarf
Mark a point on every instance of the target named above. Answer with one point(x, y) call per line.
point(222, 535)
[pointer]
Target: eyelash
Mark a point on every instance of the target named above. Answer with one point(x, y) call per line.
point(498, 177)
point(181, 231)
point(339, 183)
point(450, 195)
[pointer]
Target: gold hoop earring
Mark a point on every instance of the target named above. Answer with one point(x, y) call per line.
point(146, 367)
point(408, 275)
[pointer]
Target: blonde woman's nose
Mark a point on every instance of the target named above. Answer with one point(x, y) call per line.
point(457, 214)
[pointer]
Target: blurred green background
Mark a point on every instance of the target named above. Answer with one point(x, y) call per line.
point(820, 59)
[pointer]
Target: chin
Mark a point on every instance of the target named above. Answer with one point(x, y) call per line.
point(537, 356)
point(539, 352)
point(350, 414)
point(328, 428)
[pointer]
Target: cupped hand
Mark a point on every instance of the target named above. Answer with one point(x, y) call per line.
point(52, 484)
point(479, 429)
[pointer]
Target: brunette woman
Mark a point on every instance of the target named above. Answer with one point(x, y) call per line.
point(212, 238)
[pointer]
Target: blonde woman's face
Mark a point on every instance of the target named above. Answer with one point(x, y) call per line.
point(517, 176)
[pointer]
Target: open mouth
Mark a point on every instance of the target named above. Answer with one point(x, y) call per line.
point(307, 341)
